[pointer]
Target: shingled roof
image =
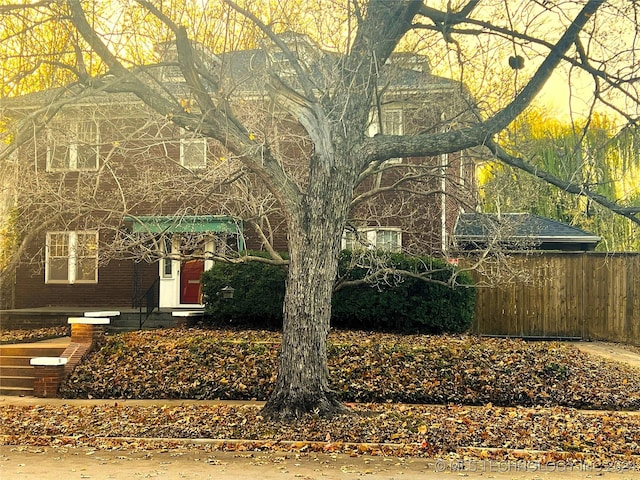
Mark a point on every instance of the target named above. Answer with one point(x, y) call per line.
point(520, 231)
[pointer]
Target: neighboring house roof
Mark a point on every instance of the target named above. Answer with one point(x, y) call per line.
point(519, 231)
point(403, 71)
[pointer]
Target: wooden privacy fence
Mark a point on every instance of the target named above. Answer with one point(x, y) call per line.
point(588, 295)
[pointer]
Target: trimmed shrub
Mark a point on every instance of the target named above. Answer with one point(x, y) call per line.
point(404, 303)
point(395, 303)
point(258, 296)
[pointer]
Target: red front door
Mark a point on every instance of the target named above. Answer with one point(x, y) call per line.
point(190, 273)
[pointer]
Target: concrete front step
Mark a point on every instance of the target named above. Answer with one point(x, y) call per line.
point(16, 391)
point(127, 322)
point(32, 350)
point(15, 361)
point(16, 370)
point(17, 382)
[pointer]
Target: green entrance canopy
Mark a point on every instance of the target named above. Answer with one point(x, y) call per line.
point(183, 224)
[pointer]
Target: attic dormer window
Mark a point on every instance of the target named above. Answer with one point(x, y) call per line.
point(73, 146)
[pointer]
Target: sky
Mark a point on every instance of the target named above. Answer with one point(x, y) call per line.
point(561, 100)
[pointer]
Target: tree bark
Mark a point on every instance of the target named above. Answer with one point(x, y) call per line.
point(315, 233)
point(302, 385)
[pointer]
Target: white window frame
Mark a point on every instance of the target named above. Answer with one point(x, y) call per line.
point(71, 133)
point(372, 238)
point(73, 255)
point(392, 124)
point(397, 247)
point(190, 140)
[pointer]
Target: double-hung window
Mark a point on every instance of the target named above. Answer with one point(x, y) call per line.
point(392, 124)
point(353, 241)
point(389, 239)
point(72, 257)
point(73, 146)
point(193, 150)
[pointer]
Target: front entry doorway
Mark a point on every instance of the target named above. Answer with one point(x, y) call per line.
point(190, 288)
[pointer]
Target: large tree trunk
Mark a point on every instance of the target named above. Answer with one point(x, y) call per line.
point(303, 378)
point(315, 232)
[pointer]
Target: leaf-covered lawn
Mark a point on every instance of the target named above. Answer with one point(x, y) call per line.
point(541, 434)
point(364, 367)
point(32, 335)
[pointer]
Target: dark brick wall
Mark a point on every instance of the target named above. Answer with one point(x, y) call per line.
point(174, 190)
point(115, 287)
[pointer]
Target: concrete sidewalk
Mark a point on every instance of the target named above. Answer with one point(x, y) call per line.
point(54, 463)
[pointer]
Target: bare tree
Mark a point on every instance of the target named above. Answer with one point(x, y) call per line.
point(332, 98)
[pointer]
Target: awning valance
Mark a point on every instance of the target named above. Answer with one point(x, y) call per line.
point(183, 224)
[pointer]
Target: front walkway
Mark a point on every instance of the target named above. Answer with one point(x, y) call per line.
point(611, 351)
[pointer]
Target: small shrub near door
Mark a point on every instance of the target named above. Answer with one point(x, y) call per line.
point(405, 305)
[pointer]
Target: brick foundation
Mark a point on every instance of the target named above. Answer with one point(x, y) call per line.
point(48, 375)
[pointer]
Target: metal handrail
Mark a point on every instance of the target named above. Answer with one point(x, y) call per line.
point(151, 302)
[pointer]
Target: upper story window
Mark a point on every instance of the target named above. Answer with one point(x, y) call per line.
point(392, 121)
point(73, 146)
point(392, 124)
point(193, 150)
point(389, 239)
point(72, 257)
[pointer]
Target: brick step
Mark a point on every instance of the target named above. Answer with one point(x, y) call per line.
point(16, 370)
point(16, 373)
point(16, 382)
point(16, 391)
point(15, 361)
point(33, 350)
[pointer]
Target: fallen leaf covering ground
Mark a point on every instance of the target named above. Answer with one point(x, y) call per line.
point(488, 432)
point(32, 335)
point(364, 368)
point(228, 364)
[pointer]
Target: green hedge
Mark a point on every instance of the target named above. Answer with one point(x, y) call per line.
point(407, 304)
point(259, 292)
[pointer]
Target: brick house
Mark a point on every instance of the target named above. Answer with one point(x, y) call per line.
point(130, 202)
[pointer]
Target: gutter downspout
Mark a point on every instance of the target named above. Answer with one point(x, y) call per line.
point(444, 160)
